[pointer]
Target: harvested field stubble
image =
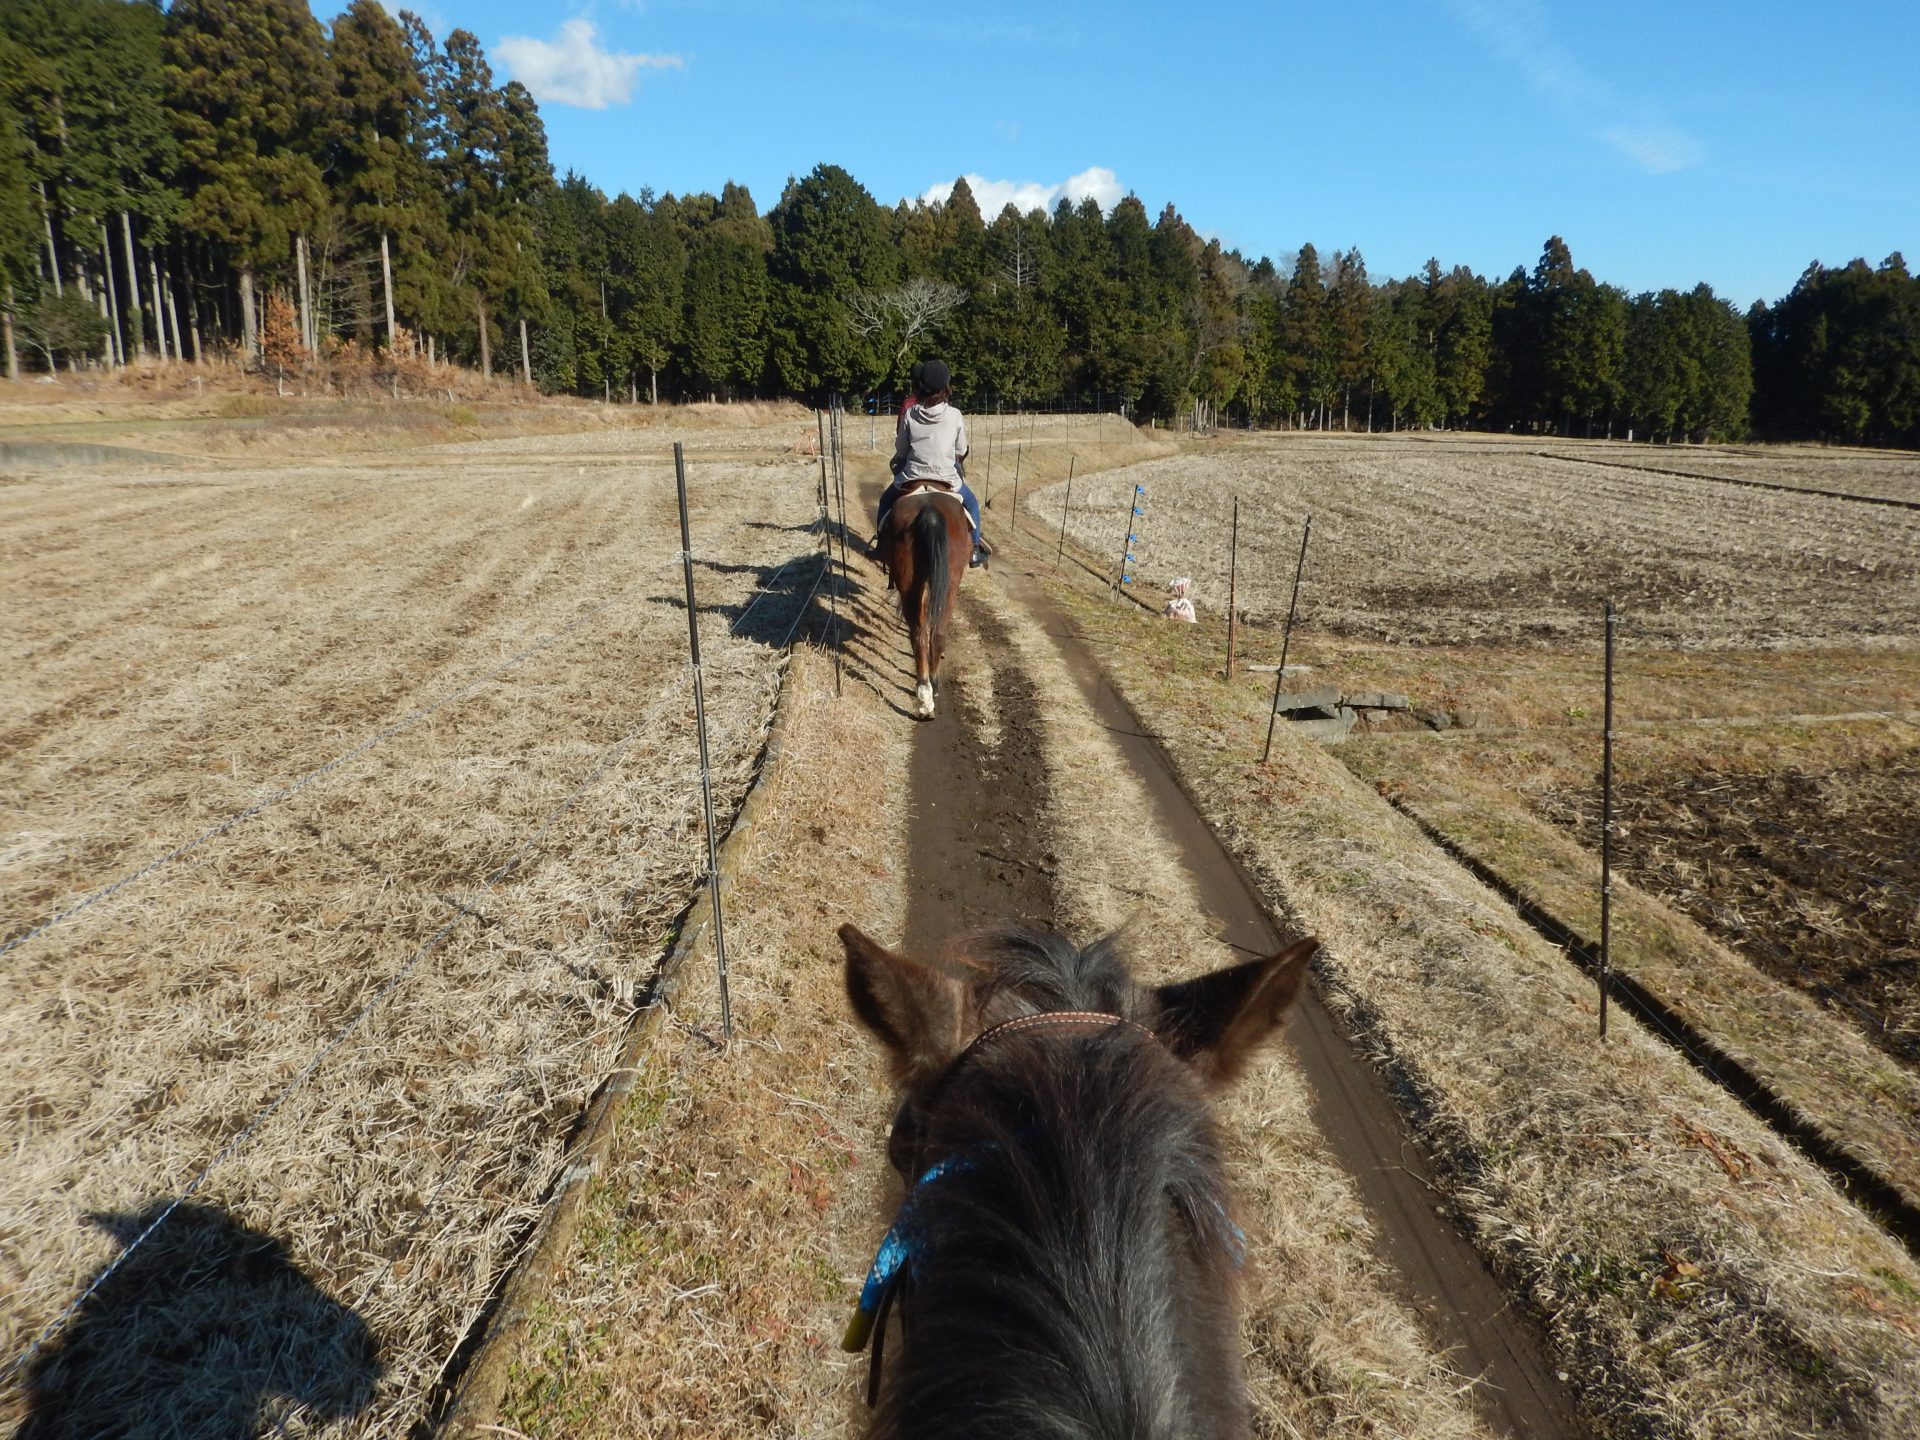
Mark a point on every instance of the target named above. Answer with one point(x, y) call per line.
point(1874, 474)
point(429, 949)
point(1699, 1276)
point(1488, 795)
point(1413, 542)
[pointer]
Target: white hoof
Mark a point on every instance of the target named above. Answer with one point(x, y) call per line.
point(924, 692)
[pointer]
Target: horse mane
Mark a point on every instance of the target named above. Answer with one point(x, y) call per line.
point(1075, 1270)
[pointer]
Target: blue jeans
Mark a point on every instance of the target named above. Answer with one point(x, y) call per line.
point(892, 493)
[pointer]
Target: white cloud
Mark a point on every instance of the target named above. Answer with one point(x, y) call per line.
point(993, 196)
point(1516, 32)
point(573, 69)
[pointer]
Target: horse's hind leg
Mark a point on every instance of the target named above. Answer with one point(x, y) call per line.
point(925, 659)
point(920, 627)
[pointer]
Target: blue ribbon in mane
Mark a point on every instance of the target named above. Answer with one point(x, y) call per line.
point(897, 1247)
point(900, 1244)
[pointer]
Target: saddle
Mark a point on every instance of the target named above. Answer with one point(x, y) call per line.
point(914, 487)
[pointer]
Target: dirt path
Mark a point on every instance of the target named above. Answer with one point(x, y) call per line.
point(975, 860)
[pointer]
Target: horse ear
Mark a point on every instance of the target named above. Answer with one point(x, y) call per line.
point(913, 1008)
point(1217, 1021)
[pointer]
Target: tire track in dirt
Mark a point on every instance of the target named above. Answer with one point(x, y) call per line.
point(960, 876)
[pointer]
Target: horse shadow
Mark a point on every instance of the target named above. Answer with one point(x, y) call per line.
point(208, 1329)
point(790, 600)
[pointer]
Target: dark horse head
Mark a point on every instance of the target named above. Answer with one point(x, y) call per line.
point(1065, 1262)
point(925, 545)
point(207, 1330)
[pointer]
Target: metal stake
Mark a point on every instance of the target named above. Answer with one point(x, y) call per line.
point(1606, 830)
point(700, 722)
point(1134, 512)
point(1061, 549)
point(1286, 638)
point(1233, 588)
point(826, 536)
point(1016, 490)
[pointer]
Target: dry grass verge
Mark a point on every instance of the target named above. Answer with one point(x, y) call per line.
point(734, 1220)
point(1698, 1276)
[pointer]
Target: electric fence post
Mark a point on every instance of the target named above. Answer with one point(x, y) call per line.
point(1286, 638)
point(826, 537)
point(700, 723)
point(1606, 827)
point(1136, 503)
point(1065, 508)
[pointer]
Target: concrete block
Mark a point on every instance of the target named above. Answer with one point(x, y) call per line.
point(1326, 698)
point(1331, 731)
point(1376, 700)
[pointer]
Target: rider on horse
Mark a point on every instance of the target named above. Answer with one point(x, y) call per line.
point(930, 448)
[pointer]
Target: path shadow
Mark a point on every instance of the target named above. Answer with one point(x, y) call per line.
point(207, 1331)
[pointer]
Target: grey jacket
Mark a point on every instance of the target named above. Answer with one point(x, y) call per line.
point(929, 443)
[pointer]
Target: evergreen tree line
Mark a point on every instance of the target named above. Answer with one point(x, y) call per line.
point(226, 176)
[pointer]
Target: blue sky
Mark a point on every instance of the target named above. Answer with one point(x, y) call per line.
point(1731, 141)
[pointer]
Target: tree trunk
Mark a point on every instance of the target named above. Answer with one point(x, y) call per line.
point(53, 252)
point(430, 360)
point(653, 386)
point(159, 311)
point(136, 327)
point(249, 330)
point(113, 295)
point(193, 325)
point(6, 335)
point(306, 299)
point(386, 284)
point(526, 358)
point(486, 348)
point(173, 315)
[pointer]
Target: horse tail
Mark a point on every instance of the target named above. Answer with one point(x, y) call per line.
point(930, 556)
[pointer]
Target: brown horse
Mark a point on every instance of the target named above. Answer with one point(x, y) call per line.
point(925, 545)
point(1065, 1261)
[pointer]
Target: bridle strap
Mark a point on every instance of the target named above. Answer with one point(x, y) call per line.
point(1049, 1020)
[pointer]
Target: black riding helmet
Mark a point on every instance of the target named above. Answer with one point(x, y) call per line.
point(931, 377)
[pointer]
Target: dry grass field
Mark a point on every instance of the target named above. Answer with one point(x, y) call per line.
point(1768, 714)
point(1696, 1274)
point(350, 793)
point(1471, 578)
point(1416, 542)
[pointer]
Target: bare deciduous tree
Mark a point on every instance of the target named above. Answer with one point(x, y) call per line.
point(908, 311)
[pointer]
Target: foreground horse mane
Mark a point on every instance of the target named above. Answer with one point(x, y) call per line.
point(1076, 1267)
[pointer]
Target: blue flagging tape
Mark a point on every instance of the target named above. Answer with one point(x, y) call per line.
point(1138, 511)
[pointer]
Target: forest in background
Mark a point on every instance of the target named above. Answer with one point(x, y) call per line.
point(229, 179)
